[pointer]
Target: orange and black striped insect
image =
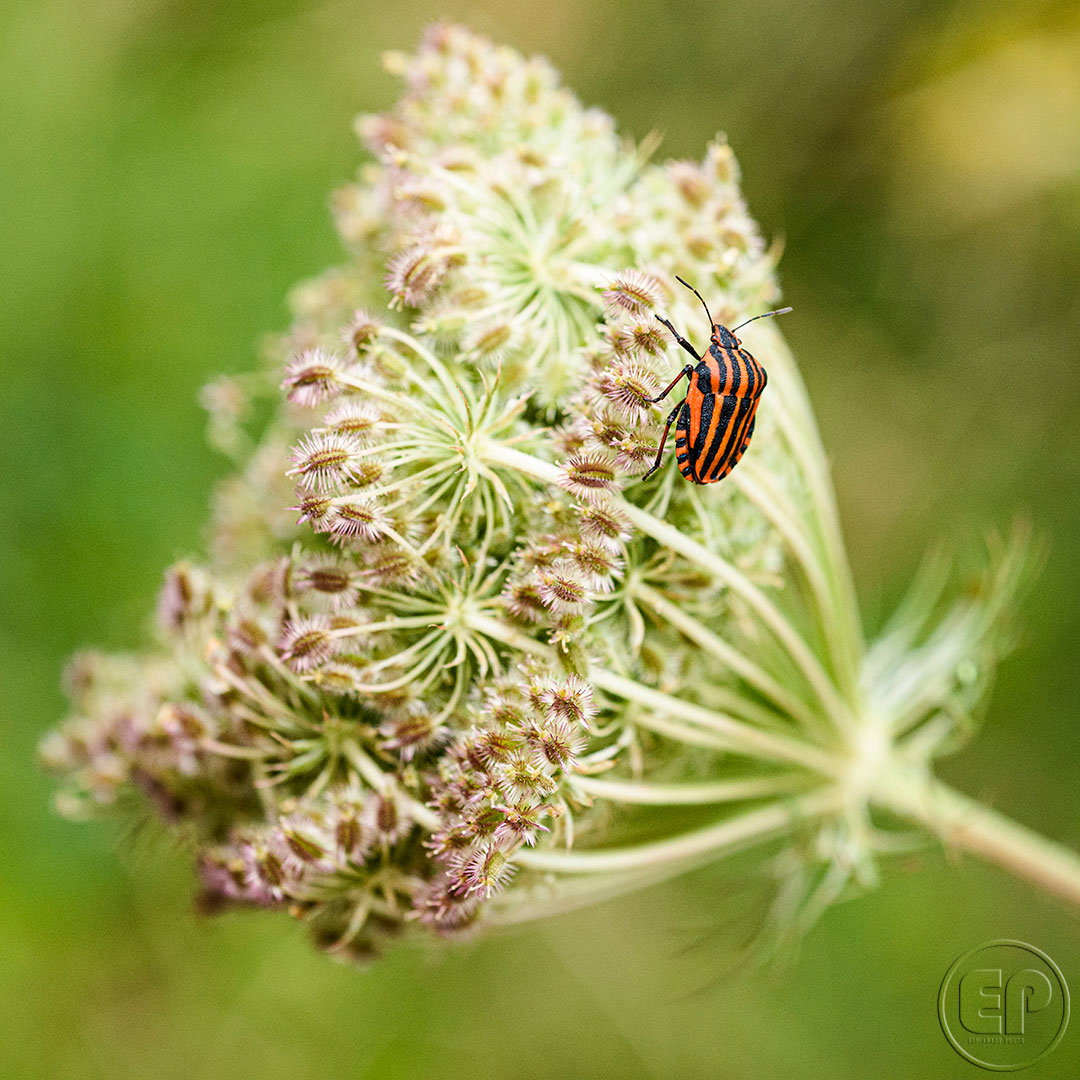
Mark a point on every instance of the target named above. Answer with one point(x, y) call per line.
point(716, 418)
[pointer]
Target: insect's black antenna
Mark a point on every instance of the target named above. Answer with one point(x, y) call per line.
point(780, 311)
point(698, 295)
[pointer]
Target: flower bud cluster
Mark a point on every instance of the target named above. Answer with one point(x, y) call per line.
point(497, 788)
point(443, 628)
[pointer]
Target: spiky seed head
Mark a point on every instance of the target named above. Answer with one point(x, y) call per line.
point(333, 580)
point(690, 181)
point(589, 476)
point(357, 420)
point(313, 506)
point(522, 599)
point(313, 377)
point(357, 519)
point(570, 699)
point(648, 338)
point(386, 817)
point(361, 330)
point(337, 678)
point(561, 589)
point(307, 642)
point(491, 341)
point(488, 869)
point(604, 525)
point(635, 453)
point(412, 733)
point(496, 746)
point(597, 564)
point(387, 564)
point(521, 823)
point(303, 844)
point(324, 462)
point(629, 387)
point(632, 293)
point(414, 275)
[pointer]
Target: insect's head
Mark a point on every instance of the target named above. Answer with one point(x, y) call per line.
point(724, 337)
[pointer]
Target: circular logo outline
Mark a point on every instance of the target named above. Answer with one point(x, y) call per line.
point(944, 1021)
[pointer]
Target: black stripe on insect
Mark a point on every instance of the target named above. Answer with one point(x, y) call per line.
point(716, 418)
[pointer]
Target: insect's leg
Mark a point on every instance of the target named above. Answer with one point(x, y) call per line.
point(663, 438)
point(683, 343)
point(684, 374)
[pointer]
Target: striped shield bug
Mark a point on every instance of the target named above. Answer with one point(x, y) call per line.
point(716, 418)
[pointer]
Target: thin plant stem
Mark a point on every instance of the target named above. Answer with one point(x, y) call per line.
point(691, 848)
point(722, 791)
point(962, 824)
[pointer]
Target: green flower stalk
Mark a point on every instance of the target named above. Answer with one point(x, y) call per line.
point(450, 663)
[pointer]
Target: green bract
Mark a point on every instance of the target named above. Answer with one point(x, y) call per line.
point(451, 663)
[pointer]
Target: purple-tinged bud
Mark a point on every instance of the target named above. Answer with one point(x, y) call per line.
point(634, 453)
point(358, 520)
point(524, 779)
point(488, 869)
point(386, 818)
point(312, 377)
point(303, 845)
point(307, 643)
point(361, 331)
point(445, 906)
point(312, 506)
point(553, 741)
point(415, 274)
point(387, 564)
point(184, 599)
point(264, 876)
point(482, 821)
point(355, 419)
point(351, 839)
point(337, 678)
point(605, 525)
point(331, 581)
point(543, 551)
point(571, 699)
point(571, 438)
point(632, 292)
point(491, 341)
point(420, 197)
point(648, 338)
point(521, 823)
point(411, 734)
point(324, 462)
point(522, 600)
point(597, 564)
point(496, 747)
point(448, 843)
point(690, 180)
point(590, 477)
point(630, 388)
point(561, 590)
point(606, 431)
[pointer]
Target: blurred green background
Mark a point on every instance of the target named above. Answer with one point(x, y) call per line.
point(167, 165)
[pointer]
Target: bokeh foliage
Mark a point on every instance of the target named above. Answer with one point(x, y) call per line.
point(167, 174)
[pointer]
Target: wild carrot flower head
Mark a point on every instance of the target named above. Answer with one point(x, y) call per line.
point(448, 652)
